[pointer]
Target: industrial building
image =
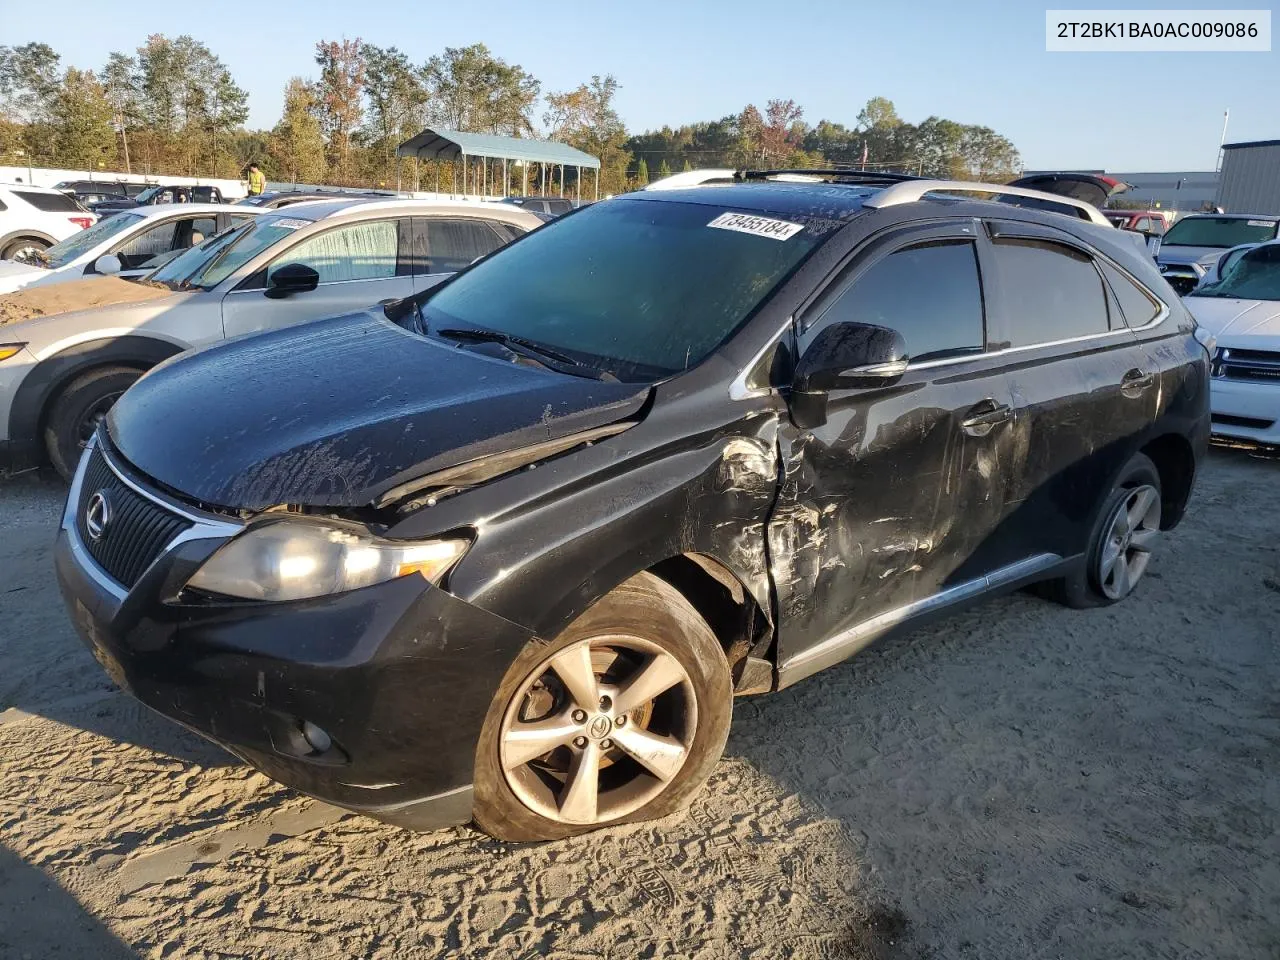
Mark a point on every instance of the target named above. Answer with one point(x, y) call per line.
point(1250, 179)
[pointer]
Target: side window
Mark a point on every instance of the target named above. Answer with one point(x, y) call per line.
point(361, 251)
point(1135, 303)
point(1157, 226)
point(929, 293)
point(1053, 292)
point(202, 228)
point(453, 244)
point(149, 243)
point(1143, 224)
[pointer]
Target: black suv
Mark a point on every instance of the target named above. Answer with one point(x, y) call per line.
point(163, 193)
point(509, 548)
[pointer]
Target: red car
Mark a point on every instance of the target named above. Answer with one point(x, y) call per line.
point(1151, 223)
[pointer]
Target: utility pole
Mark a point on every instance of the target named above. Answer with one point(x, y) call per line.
point(1226, 118)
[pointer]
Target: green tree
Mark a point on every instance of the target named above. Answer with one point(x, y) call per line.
point(473, 90)
point(642, 173)
point(687, 167)
point(397, 97)
point(664, 170)
point(119, 81)
point(83, 136)
point(30, 80)
point(297, 142)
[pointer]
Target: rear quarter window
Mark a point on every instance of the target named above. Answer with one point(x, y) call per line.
point(48, 202)
point(1136, 304)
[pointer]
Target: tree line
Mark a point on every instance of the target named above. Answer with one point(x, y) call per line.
point(173, 107)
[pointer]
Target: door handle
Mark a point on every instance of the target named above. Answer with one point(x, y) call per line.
point(983, 416)
point(1135, 382)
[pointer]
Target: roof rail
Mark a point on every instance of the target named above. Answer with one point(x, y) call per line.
point(910, 191)
point(690, 178)
point(856, 176)
point(693, 178)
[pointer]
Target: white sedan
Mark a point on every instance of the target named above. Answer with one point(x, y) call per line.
point(1242, 310)
point(128, 245)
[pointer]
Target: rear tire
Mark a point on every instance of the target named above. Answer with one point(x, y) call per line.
point(77, 410)
point(1119, 547)
point(21, 246)
point(644, 628)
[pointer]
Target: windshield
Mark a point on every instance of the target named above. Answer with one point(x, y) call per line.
point(78, 244)
point(1218, 232)
point(207, 265)
point(637, 288)
point(1255, 275)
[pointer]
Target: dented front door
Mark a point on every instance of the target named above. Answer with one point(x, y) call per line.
point(898, 495)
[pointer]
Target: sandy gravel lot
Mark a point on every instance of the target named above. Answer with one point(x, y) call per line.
point(1023, 781)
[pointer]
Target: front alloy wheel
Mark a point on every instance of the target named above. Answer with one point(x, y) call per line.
point(598, 730)
point(620, 718)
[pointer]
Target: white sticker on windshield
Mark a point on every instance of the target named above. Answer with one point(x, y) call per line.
point(1261, 223)
point(756, 226)
point(291, 223)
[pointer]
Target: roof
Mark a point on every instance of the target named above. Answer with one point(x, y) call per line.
point(327, 209)
point(1251, 143)
point(450, 144)
point(153, 210)
point(1229, 216)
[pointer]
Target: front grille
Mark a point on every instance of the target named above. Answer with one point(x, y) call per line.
point(1231, 420)
point(1232, 363)
point(136, 530)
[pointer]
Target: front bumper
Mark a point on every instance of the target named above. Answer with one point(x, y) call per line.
point(399, 675)
point(1246, 410)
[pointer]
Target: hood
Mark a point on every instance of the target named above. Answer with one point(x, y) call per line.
point(1252, 324)
point(1185, 256)
point(48, 300)
point(15, 276)
point(337, 411)
point(1091, 188)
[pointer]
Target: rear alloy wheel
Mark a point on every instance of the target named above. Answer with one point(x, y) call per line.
point(1132, 531)
point(1125, 530)
point(621, 718)
point(23, 250)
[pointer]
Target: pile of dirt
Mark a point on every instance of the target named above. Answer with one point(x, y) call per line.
point(55, 298)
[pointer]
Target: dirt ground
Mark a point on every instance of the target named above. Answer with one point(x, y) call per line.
point(1021, 781)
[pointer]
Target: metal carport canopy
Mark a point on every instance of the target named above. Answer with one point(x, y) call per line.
point(451, 144)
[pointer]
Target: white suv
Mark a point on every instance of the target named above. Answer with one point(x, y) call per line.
point(59, 374)
point(128, 244)
point(35, 218)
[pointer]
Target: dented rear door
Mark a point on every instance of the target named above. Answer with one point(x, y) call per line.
point(896, 496)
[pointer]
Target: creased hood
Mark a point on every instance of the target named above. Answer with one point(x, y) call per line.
point(1185, 256)
point(337, 411)
point(1249, 324)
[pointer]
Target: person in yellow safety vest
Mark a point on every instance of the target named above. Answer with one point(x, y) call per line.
point(257, 180)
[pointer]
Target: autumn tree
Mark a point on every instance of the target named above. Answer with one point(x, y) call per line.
point(779, 138)
point(397, 96)
point(340, 99)
point(585, 118)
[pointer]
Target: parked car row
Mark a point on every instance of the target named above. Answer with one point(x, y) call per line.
point(501, 539)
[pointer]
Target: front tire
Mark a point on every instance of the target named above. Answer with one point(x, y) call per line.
point(23, 247)
point(79, 408)
point(620, 718)
point(1124, 533)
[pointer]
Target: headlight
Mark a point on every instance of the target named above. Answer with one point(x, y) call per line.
point(8, 350)
point(295, 559)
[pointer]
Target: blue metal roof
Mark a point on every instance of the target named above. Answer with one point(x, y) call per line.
point(451, 144)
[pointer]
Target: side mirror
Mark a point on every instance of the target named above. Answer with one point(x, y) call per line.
point(851, 356)
point(108, 263)
point(290, 279)
point(844, 356)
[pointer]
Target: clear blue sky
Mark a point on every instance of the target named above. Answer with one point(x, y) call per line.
point(973, 62)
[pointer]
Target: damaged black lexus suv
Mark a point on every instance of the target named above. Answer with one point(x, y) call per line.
point(506, 551)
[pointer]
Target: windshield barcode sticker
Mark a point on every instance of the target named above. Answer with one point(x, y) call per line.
point(756, 226)
point(291, 223)
point(1261, 223)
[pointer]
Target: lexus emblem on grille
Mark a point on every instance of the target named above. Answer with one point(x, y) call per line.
point(97, 516)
